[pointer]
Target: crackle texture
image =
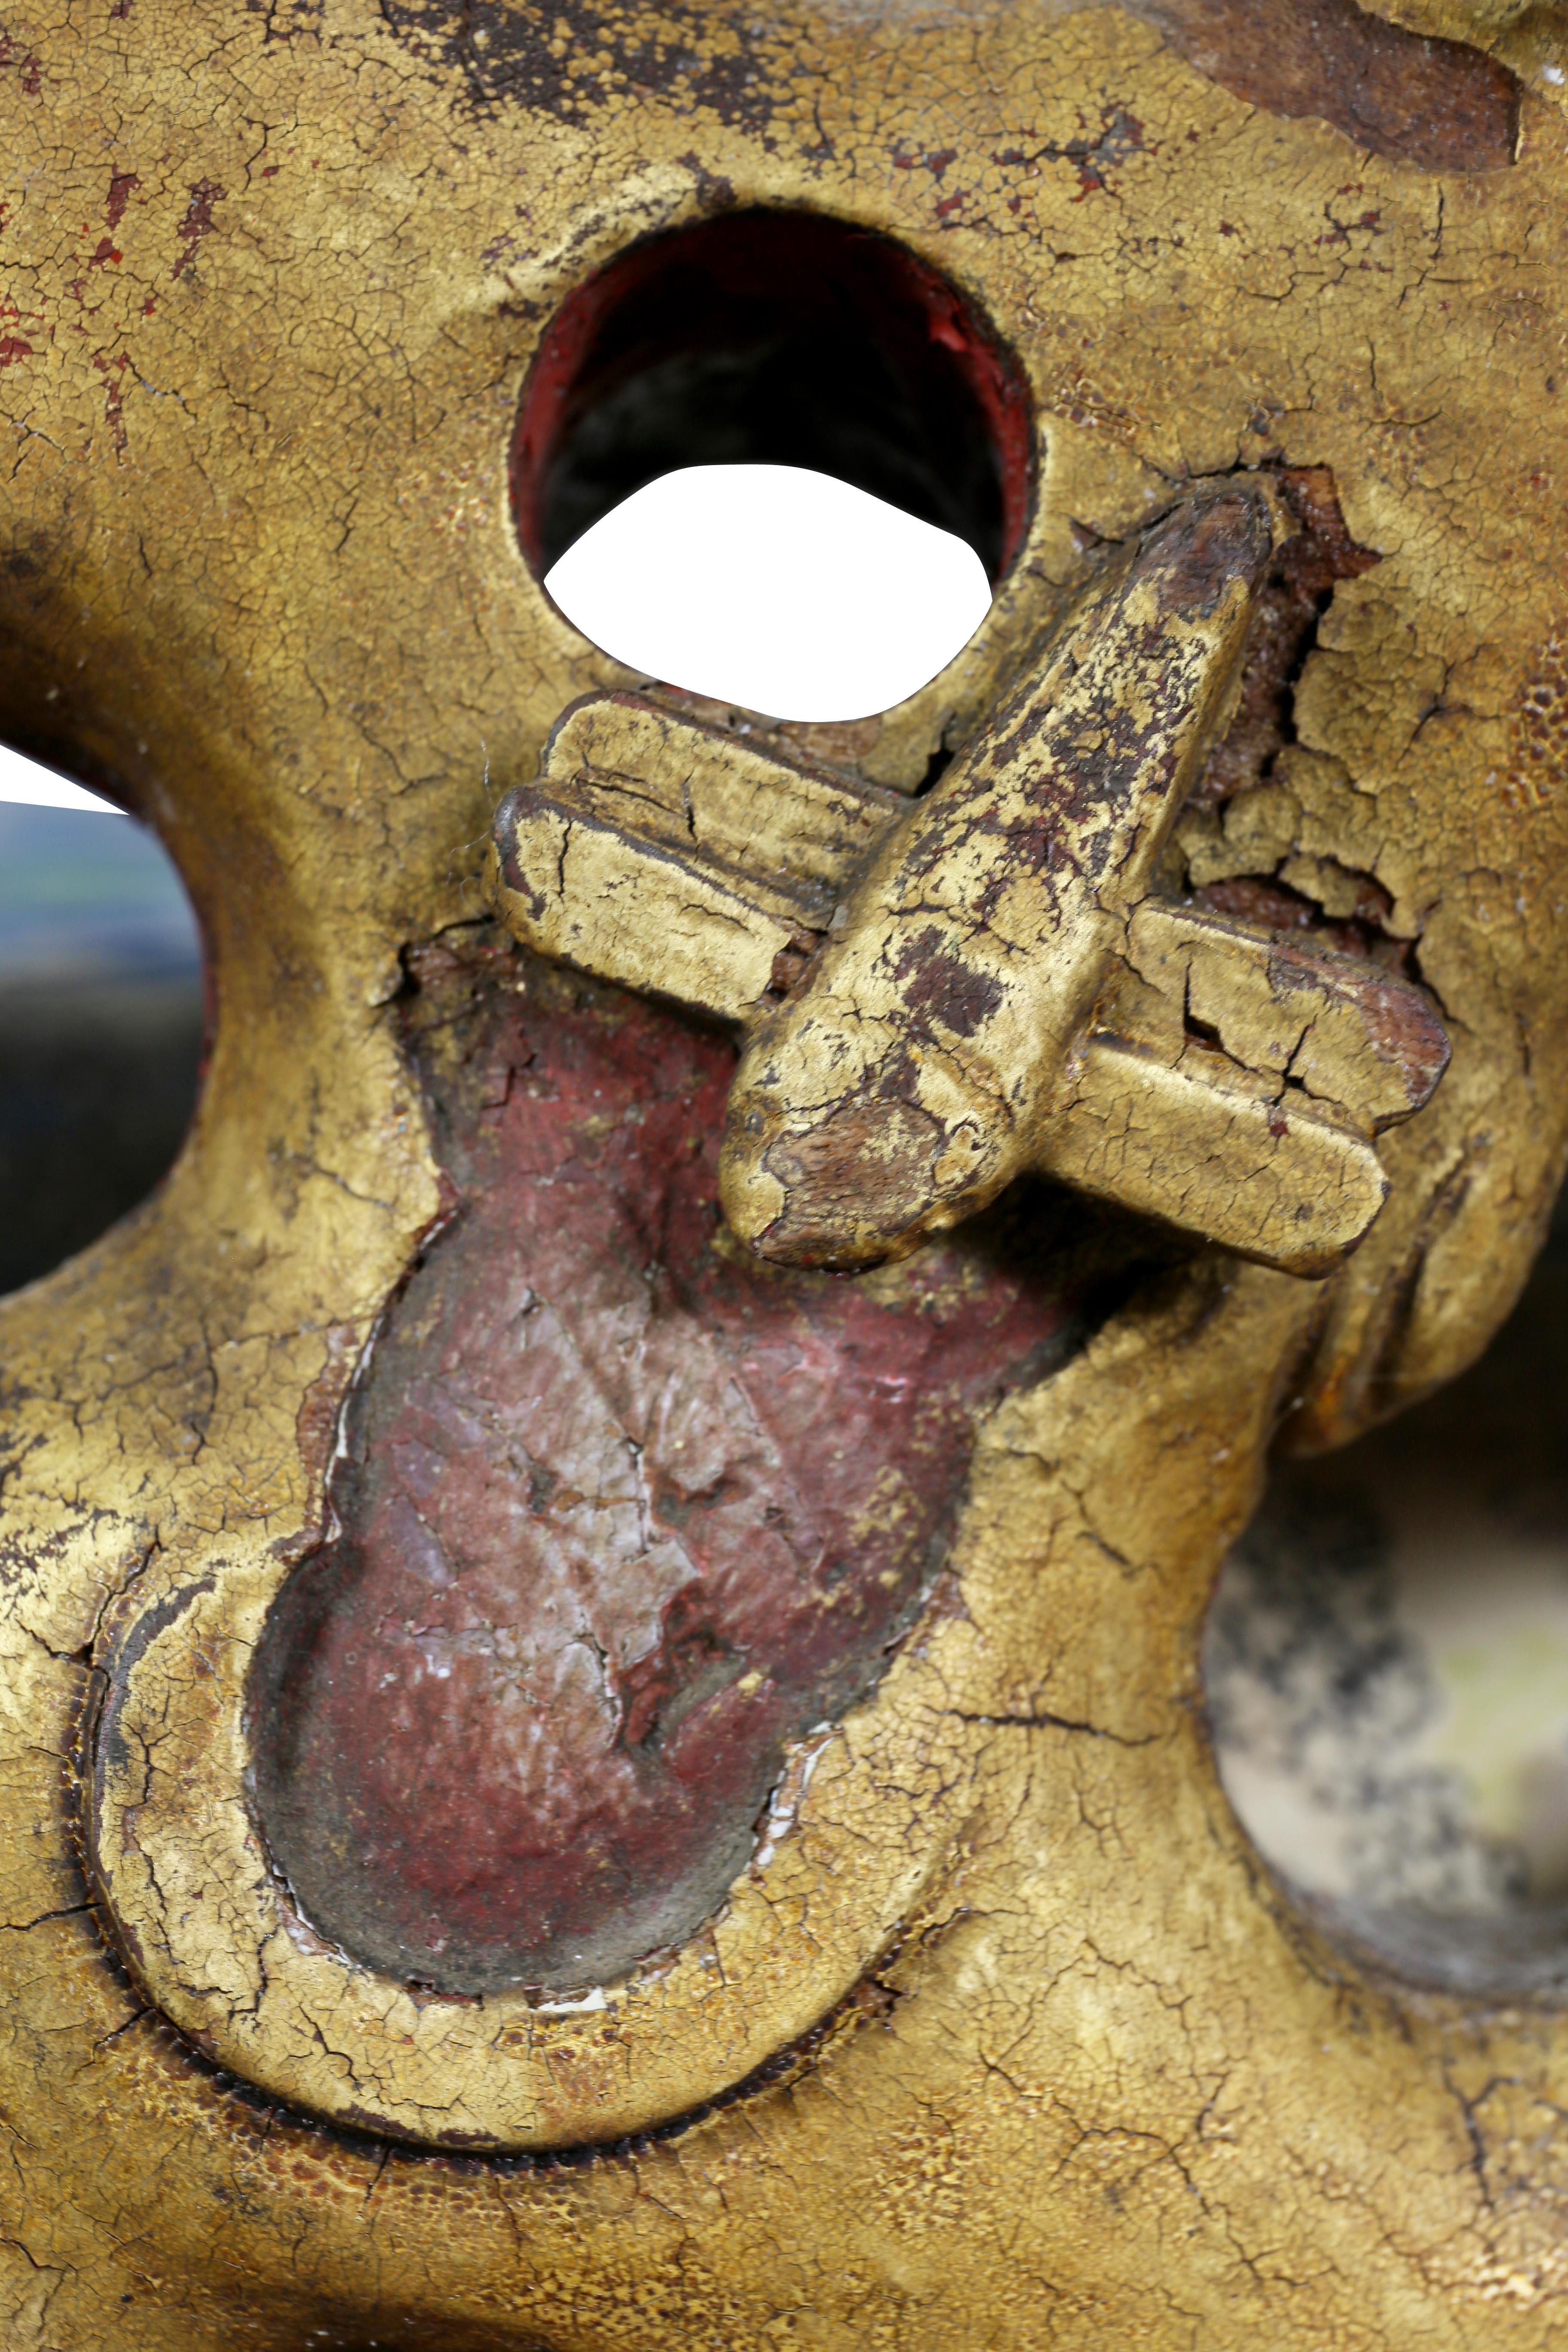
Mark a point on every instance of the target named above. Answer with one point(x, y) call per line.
point(621, 1514)
point(1001, 2036)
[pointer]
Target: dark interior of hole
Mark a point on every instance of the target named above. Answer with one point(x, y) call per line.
point(780, 339)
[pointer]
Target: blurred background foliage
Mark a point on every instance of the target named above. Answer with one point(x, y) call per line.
point(101, 1027)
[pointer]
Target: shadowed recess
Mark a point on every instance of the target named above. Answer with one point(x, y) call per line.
point(781, 339)
point(621, 1515)
point(1438, 104)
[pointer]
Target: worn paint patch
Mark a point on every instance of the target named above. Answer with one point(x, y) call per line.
point(903, 1085)
point(693, 57)
point(1440, 105)
point(1294, 596)
point(620, 1513)
point(199, 222)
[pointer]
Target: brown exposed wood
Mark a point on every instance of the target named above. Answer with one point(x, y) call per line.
point(1440, 105)
point(1274, 905)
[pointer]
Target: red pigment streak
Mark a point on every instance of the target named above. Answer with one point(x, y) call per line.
point(113, 400)
point(197, 222)
point(621, 1514)
point(120, 187)
point(13, 348)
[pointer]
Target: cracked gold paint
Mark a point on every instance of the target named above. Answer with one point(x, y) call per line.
point(978, 940)
point(671, 858)
point(273, 283)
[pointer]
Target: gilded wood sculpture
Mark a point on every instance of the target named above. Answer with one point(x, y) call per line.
point(601, 1732)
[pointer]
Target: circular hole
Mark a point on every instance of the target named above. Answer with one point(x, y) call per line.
point(784, 458)
point(1386, 1662)
point(101, 1016)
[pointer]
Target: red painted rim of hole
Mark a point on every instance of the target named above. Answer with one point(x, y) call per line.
point(990, 371)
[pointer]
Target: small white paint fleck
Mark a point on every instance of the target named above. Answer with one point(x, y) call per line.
point(589, 2002)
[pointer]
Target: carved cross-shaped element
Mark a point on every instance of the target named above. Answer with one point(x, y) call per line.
point(938, 997)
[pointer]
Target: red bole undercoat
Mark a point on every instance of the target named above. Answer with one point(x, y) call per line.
point(620, 1514)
